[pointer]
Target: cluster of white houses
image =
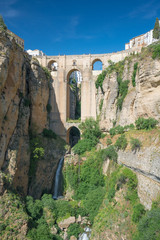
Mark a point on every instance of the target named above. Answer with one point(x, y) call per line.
point(141, 41)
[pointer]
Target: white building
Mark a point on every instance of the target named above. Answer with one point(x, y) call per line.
point(35, 52)
point(141, 41)
point(77, 76)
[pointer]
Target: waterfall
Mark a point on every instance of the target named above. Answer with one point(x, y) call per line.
point(58, 179)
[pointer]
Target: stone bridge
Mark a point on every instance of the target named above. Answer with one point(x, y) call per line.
point(61, 67)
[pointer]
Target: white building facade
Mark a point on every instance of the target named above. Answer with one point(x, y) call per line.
point(35, 52)
point(141, 41)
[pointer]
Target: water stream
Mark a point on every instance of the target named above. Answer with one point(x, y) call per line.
point(86, 234)
point(57, 183)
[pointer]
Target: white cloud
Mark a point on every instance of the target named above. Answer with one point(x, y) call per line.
point(8, 9)
point(147, 10)
point(70, 31)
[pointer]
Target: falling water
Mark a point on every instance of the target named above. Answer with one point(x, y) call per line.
point(58, 179)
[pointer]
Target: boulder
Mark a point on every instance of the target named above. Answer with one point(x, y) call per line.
point(66, 222)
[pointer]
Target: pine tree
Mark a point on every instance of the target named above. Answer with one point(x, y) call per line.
point(156, 30)
point(2, 24)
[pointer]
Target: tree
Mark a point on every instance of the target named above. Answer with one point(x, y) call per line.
point(2, 24)
point(156, 30)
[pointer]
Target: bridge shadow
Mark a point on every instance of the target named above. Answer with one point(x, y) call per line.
point(55, 122)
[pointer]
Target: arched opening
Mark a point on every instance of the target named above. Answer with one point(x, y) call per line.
point(74, 80)
point(73, 136)
point(52, 65)
point(97, 65)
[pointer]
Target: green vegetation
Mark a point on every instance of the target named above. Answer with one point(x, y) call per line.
point(110, 153)
point(90, 136)
point(121, 143)
point(156, 30)
point(152, 50)
point(13, 216)
point(37, 153)
point(156, 51)
point(49, 108)
point(149, 225)
point(88, 182)
point(101, 105)
point(122, 92)
point(122, 85)
point(100, 79)
point(27, 102)
point(138, 212)
point(117, 67)
point(46, 213)
point(47, 73)
point(135, 144)
point(83, 145)
point(120, 130)
point(48, 133)
point(146, 123)
point(73, 120)
point(74, 230)
point(116, 130)
point(109, 141)
point(134, 74)
point(116, 211)
point(2, 24)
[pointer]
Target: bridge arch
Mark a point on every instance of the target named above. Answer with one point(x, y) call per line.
point(97, 64)
point(75, 69)
point(53, 65)
point(72, 135)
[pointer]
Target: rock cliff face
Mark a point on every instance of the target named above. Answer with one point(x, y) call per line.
point(24, 94)
point(143, 100)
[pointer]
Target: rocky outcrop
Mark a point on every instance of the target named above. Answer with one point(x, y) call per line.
point(147, 167)
point(24, 95)
point(66, 222)
point(143, 100)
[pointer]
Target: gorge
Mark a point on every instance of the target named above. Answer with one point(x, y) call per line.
point(110, 177)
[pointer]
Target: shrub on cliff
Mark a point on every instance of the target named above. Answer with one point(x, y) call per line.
point(92, 202)
point(138, 212)
point(122, 92)
point(2, 24)
point(34, 208)
point(121, 143)
point(134, 74)
point(83, 146)
point(90, 175)
point(100, 79)
point(135, 144)
point(156, 51)
point(90, 136)
point(117, 67)
point(149, 226)
point(146, 123)
point(110, 153)
point(74, 230)
point(48, 133)
point(90, 129)
point(116, 130)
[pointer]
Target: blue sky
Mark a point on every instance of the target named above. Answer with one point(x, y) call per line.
point(78, 27)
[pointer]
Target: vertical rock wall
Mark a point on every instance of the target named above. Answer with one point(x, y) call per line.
point(24, 94)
